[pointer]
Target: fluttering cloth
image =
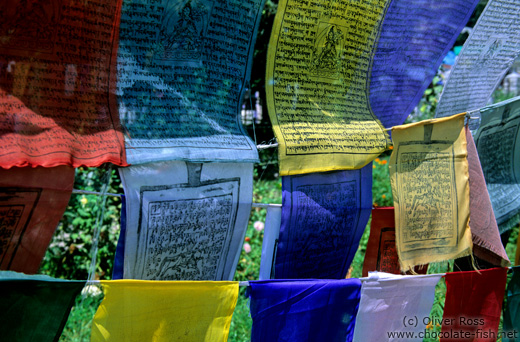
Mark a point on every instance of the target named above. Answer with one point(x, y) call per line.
point(318, 60)
point(498, 145)
point(429, 176)
point(35, 308)
point(414, 38)
point(304, 310)
point(484, 231)
point(57, 83)
point(185, 221)
point(512, 309)
point(32, 202)
point(381, 253)
point(323, 218)
point(183, 72)
point(484, 60)
point(392, 304)
point(136, 310)
point(473, 305)
point(271, 232)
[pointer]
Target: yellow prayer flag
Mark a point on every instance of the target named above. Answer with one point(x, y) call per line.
point(318, 69)
point(142, 310)
point(429, 175)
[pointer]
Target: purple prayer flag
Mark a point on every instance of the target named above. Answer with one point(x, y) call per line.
point(323, 218)
point(414, 38)
point(304, 310)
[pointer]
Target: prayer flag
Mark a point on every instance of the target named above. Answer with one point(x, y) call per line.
point(511, 324)
point(271, 234)
point(185, 221)
point(484, 230)
point(136, 310)
point(32, 202)
point(498, 145)
point(323, 218)
point(429, 176)
point(393, 304)
point(304, 310)
point(35, 308)
point(183, 70)
point(414, 38)
point(57, 83)
point(338, 73)
point(484, 60)
point(316, 85)
point(119, 258)
point(473, 305)
point(381, 253)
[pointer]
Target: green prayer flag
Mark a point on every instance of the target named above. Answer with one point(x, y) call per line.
point(511, 323)
point(35, 308)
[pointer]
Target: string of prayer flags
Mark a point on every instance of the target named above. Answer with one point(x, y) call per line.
point(323, 218)
point(387, 300)
point(185, 221)
point(414, 38)
point(183, 72)
point(32, 202)
point(316, 85)
point(136, 310)
point(484, 60)
point(511, 323)
point(271, 232)
point(473, 305)
point(381, 253)
point(498, 145)
point(484, 230)
point(429, 176)
point(36, 307)
point(304, 310)
point(57, 81)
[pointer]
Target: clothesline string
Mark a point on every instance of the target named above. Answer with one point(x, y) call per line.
point(87, 192)
point(246, 283)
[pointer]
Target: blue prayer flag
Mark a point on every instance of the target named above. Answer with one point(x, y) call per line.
point(304, 310)
point(323, 218)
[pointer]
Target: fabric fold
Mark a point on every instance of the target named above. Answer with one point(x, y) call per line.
point(484, 230)
point(271, 233)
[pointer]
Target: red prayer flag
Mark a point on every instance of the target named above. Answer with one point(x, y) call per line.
point(473, 305)
point(57, 83)
point(381, 254)
point(32, 202)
